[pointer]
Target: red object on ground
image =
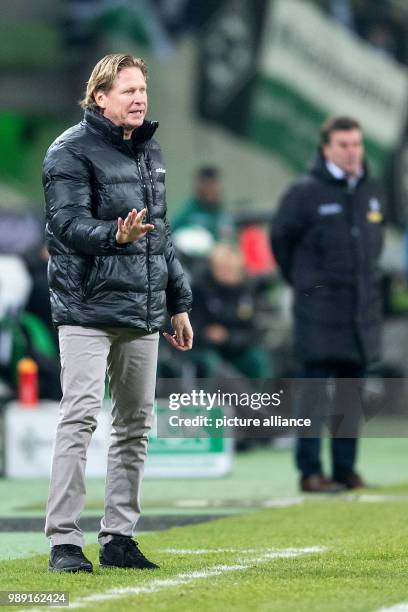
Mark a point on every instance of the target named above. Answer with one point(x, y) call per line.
point(27, 373)
point(256, 250)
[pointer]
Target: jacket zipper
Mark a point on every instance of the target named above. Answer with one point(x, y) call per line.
point(147, 246)
point(149, 170)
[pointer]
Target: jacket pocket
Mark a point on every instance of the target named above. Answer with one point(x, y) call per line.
point(90, 277)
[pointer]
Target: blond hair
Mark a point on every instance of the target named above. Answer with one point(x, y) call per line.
point(105, 72)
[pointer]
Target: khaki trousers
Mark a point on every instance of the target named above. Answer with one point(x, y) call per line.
point(130, 357)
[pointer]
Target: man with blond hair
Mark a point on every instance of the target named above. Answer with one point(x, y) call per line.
point(113, 273)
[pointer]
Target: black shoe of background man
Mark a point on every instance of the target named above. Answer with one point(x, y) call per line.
point(353, 481)
point(68, 558)
point(317, 483)
point(123, 551)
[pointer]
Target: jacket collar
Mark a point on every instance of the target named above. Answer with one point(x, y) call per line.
point(320, 169)
point(96, 122)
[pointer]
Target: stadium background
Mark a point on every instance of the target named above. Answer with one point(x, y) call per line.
point(242, 85)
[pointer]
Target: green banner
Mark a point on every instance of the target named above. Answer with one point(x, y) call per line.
point(311, 68)
point(303, 67)
point(287, 123)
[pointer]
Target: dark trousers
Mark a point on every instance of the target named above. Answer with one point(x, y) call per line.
point(346, 401)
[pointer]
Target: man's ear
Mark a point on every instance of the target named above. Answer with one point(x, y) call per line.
point(99, 97)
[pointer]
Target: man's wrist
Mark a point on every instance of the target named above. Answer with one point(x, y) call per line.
point(121, 243)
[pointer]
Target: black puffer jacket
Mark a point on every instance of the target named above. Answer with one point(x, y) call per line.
point(91, 177)
point(327, 239)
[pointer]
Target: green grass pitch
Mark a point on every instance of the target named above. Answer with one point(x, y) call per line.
point(340, 553)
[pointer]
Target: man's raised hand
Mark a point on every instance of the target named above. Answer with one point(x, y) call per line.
point(132, 228)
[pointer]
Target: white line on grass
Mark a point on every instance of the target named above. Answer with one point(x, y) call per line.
point(286, 502)
point(186, 577)
point(371, 498)
point(283, 503)
point(401, 607)
point(279, 502)
point(214, 551)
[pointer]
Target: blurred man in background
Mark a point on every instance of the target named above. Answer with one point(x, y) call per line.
point(224, 317)
point(111, 278)
point(205, 209)
point(327, 238)
point(39, 299)
point(229, 348)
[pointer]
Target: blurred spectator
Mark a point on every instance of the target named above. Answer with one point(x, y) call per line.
point(205, 208)
point(224, 318)
point(39, 298)
point(43, 347)
point(383, 27)
point(22, 332)
point(327, 238)
point(382, 24)
point(15, 284)
point(382, 36)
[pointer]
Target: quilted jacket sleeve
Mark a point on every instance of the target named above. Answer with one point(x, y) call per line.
point(178, 292)
point(68, 197)
point(287, 228)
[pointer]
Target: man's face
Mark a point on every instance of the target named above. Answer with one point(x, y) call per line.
point(208, 190)
point(227, 265)
point(346, 150)
point(126, 103)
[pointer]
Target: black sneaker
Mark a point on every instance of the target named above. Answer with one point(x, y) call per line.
point(122, 551)
point(68, 558)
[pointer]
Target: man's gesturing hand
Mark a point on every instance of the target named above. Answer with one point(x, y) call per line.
point(132, 228)
point(182, 339)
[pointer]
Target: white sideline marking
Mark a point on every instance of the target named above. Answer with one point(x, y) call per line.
point(286, 502)
point(184, 578)
point(375, 498)
point(401, 607)
point(192, 503)
point(214, 551)
point(283, 503)
point(207, 551)
point(280, 502)
point(372, 499)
